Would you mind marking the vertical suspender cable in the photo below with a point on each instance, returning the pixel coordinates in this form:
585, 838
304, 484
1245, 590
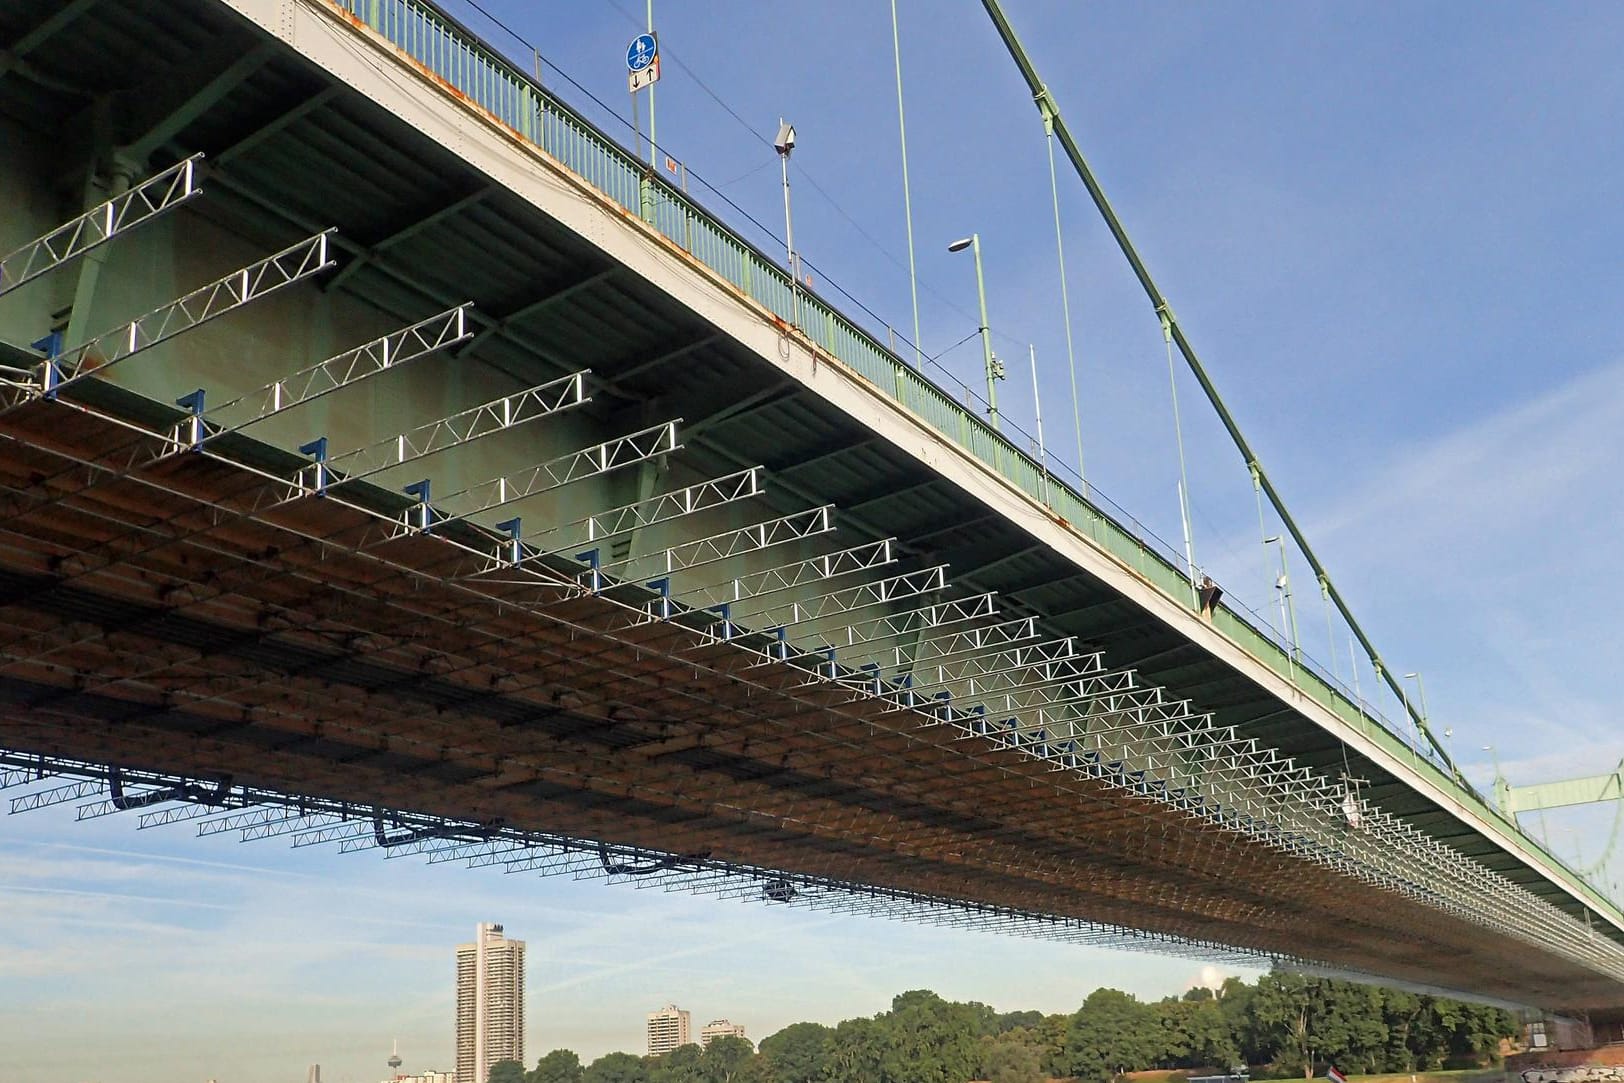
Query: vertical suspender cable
1184, 477
1017, 52
1065, 298
1330, 633
907, 197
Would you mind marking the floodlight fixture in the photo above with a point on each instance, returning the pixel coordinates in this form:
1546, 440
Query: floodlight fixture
785, 141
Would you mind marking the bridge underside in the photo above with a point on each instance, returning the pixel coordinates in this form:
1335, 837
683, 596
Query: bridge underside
213, 612
251, 650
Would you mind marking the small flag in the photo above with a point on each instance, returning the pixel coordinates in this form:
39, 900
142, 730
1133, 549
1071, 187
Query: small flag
670, 164
1335, 1076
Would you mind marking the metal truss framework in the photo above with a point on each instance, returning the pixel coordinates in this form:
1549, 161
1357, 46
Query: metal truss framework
144, 202
241, 287
949, 674
217, 806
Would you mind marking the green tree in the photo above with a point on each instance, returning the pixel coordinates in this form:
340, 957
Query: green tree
1007, 1058
857, 1052
507, 1071
799, 1053
1009, 1021
1051, 1036
559, 1066
616, 1068
1195, 1033
1111, 1033
1280, 1018
725, 1059
926, 1039
682, 1065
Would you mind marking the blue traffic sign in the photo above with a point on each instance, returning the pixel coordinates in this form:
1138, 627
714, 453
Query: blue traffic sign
641, 52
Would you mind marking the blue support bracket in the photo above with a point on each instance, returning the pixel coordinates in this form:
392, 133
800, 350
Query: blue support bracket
780, 645
944, 712
51, 347
514, 529
834, 667
725, 611
904, 681
661, 585
317, 449
193, 404
425, 514
873, 670
592, 558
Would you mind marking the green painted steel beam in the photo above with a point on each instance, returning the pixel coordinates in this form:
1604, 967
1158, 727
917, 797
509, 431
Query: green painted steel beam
176, 119
14, 54
1590, 790
409, 225
1050, 112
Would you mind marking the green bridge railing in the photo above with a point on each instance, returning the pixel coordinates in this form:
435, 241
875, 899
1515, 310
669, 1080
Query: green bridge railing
453, 53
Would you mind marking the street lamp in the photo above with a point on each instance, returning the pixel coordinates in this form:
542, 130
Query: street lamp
1421, 692
995, 367
784, 143
1415, 724
1288, 607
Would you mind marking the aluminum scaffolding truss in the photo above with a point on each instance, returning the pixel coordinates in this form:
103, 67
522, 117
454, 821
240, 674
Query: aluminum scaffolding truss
775, 650
306, 821
553, 474
602, 526
207, 424
138, 205
241, 287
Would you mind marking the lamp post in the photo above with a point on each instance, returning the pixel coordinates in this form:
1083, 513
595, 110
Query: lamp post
1421, 692
784, 144
994, 367
1288, 607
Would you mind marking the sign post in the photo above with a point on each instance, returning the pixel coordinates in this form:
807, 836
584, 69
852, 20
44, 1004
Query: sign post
643, 71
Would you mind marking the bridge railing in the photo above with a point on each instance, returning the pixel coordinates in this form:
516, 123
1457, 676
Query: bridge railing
455, 55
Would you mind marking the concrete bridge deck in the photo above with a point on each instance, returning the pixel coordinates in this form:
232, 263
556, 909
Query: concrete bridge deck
703, 570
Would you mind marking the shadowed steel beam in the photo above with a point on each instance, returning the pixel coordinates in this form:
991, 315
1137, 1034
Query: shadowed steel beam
272, 127
49, 28
172, 124
503, 323
142, 203
413, 225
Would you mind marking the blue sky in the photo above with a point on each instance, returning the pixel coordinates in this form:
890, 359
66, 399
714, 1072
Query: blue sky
1391, 231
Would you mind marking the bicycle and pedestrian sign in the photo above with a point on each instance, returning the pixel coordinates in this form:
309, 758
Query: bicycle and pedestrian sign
642, 62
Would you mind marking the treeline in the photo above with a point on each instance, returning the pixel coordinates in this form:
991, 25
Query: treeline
1284, 1025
